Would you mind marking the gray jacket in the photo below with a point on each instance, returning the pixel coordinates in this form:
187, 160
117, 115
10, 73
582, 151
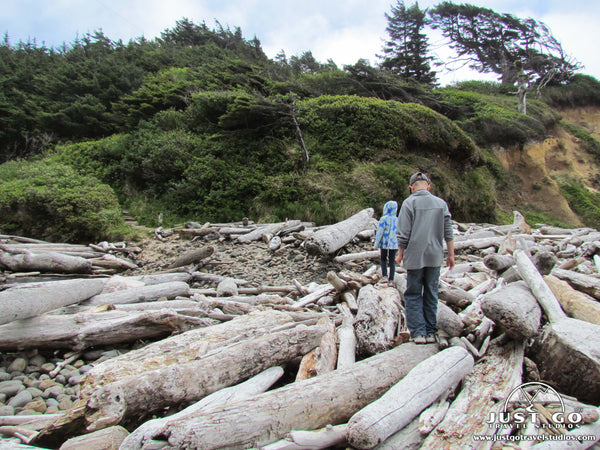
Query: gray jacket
424, 223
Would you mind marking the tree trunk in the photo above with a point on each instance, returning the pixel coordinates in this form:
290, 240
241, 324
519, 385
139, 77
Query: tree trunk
142, 294
45, 262
80, 331
307, 405
151, 429
575, 303
30, 301
490, 383
422, 386
515, 309
330, 239
377, 320
135, 396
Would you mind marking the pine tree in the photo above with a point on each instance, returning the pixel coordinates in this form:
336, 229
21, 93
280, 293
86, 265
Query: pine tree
407, 47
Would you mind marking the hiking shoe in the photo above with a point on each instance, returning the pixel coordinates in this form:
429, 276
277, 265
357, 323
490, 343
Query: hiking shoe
430, 339
420, 340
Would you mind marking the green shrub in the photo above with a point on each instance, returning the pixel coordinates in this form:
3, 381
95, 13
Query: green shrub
584, 202
582, 90
51, 201
589, 143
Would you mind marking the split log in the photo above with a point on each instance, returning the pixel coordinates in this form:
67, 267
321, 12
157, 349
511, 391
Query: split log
498, 262
30, 301
52, 262
585, 283
324, 438
339, 284
515, 309
567, 349
142, 294
332, 238
134, 396
350, 299
183, 348
84, 330
192, 257
307, 405
454, 295
483, 390
404, 401
321, 359
347, 339
152, 429
575, 303
377, 319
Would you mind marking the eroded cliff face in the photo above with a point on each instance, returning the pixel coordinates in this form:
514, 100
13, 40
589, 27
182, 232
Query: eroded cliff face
559, 154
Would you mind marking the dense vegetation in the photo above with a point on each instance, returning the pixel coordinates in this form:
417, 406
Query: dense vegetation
201, 125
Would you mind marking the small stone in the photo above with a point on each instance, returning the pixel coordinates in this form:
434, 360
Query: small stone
46, 383
4, 376
18, 365
60, 379
52, 402
21, 399
37, 405
52, 409
53, 391
11, 387
7, 410
35, 392
77, 364
27, 412
85, 369
37, 361
65, 404
47, 367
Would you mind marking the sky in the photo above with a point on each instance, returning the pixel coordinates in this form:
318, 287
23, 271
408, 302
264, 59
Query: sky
341, 30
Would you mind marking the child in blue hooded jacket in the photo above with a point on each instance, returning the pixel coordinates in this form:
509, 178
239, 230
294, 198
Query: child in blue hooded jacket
387, 241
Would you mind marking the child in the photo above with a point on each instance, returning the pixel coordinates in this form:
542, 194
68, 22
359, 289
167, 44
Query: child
386, 240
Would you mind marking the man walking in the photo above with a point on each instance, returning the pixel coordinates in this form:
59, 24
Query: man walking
424, 223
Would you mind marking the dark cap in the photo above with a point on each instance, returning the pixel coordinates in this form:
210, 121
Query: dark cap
419, 176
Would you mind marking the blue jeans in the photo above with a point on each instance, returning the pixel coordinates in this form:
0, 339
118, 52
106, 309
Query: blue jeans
388, 258
421, 299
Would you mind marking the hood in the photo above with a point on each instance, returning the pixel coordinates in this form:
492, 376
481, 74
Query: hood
390, 208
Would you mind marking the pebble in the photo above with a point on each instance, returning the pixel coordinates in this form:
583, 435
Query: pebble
11, 387
37, 405
21, 399
7, 410
18, 365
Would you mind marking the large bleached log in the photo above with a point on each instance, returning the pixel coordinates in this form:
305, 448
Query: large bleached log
347, 339
45, 262
484, 389
448, 320
152, 429
323, 358
193, 256
306, 405
84, 330
567, 349
422, 386
30, 301
454, 295
498, 262
108, 438
183, 348
575, 303
376, 322
585, 283
142, 294
131, 397
330, 239
515, 309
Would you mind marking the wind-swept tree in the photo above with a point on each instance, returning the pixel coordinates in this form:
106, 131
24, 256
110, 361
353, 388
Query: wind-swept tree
405, 52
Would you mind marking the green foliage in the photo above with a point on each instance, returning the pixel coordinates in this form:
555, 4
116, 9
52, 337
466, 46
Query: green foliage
47, 200
583, 201
582, 90
588, 142
492, 119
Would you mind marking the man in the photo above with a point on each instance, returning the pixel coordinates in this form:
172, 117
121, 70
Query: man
424, 223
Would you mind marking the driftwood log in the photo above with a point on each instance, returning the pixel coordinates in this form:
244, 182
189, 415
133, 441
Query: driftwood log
330, 239
576, 304
193, 256
585, 283
53, 262
376, 322
142, 294
404, 401
34, 300
307, 405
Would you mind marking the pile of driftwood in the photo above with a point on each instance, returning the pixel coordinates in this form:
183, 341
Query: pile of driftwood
314, 366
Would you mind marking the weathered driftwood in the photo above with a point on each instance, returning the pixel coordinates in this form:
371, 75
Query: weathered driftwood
108, 438
371, 254
408, 438
327, 437
193, 256
323, 358
322, 291
33, 300
585, 283
454, 295
567, 349
260, 230
45, 262
498, 262
84, 330
515, 309
307, 405
339, 284
592, 429
377, 319
183, 348
483, 390
346, 338
575, 303
330, 239
142, 294
151, 391
448, 320
152, 429
404, 401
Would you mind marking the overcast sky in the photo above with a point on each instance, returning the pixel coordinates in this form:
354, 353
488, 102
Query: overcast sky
341, 30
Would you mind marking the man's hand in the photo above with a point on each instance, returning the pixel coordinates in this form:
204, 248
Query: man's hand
450, 262
400, 255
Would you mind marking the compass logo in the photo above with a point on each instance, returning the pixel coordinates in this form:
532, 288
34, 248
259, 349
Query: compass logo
536, 404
